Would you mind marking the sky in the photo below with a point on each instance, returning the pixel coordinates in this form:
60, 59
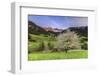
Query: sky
60, 22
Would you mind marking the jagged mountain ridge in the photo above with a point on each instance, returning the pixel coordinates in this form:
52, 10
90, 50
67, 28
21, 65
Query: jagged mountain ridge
35, 29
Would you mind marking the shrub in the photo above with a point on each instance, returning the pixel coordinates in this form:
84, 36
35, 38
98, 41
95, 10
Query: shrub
84, 46
50, 45
41, 46
84, 43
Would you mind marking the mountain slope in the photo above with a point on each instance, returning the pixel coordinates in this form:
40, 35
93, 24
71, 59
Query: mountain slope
81, 31
35, 29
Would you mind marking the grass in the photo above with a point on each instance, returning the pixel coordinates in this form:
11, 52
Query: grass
42, 37
58, 55
34, 43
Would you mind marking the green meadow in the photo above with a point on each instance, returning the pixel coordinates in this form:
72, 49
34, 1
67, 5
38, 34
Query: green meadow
38, 49
56, 55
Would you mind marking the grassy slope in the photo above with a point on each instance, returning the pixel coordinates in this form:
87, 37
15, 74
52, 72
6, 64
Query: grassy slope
41, 37
38, 39
58, 55
54, 55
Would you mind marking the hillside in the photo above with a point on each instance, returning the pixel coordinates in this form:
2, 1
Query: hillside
36, 29
81, 31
